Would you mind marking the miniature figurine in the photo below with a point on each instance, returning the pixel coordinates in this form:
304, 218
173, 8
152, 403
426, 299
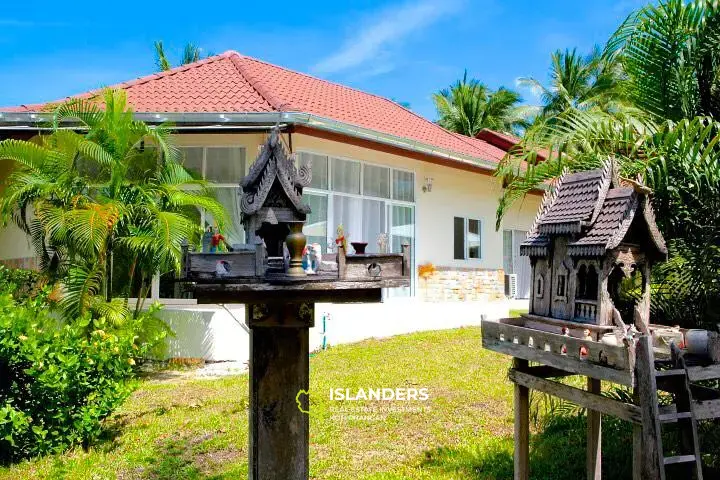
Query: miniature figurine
382, 242
207, 239
341, 239
215, 241
311, 258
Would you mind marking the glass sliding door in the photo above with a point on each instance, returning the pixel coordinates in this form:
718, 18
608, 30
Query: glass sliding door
316, 224
374, 223
402, 230
347, 211
367, 200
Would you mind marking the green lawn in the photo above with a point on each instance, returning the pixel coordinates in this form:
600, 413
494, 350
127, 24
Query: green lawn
197, 429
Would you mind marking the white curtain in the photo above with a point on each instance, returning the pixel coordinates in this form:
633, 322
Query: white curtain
345, 176
373, 223
376, 181
225, 164
316, 225
347, 211
233, 230
403, 186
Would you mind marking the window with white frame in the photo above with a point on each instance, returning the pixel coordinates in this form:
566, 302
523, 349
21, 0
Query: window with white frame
366, 199
467, 238
225, 168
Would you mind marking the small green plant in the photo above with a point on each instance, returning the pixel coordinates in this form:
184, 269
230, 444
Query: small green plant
59, 380
21, 284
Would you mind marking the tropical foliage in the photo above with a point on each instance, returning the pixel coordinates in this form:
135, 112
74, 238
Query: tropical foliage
578, 82
114, 191
191, 53
58, 381
469, 106
666, 137
100, 189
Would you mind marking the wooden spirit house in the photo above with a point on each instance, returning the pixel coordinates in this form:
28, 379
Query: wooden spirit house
591, 248
593, 234
273, 216
279, 297
272, 205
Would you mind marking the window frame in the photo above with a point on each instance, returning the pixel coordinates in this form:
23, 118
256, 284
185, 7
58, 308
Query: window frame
362, 163
155, 282
204, 161
389, 202
466, 234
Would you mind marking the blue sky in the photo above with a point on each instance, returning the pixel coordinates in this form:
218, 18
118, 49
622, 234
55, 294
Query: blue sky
397, 49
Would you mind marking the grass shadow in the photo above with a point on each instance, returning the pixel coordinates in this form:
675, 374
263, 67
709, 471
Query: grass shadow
556, 453
187, 459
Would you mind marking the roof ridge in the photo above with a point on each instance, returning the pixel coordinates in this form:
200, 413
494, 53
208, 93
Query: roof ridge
269, 97
278, 103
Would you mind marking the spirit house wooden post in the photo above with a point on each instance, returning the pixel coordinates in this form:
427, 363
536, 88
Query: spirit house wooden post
267, 275
279, 362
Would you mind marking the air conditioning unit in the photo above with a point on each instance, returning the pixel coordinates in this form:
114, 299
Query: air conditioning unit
511, 288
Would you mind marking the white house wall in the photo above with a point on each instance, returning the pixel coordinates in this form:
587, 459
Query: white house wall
217, 333
455, 193
15, 248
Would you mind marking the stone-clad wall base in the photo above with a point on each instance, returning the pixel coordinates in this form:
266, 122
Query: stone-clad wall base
462, 284
29, 263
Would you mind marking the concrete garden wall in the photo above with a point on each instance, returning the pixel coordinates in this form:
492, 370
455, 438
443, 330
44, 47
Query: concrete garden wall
216, 333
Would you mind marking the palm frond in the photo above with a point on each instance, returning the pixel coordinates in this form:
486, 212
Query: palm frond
82, 284
161, 60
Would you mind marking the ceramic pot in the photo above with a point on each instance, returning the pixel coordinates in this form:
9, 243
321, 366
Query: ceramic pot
359, 247
295, 242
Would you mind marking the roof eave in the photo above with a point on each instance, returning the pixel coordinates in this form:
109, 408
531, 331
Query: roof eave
185, 120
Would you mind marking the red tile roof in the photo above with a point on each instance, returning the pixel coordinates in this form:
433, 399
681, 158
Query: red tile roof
231, 82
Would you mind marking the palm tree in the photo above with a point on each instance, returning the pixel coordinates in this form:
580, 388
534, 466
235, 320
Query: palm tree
115, 190
578, 82
191, 53
668, 138
469, 106
670, 53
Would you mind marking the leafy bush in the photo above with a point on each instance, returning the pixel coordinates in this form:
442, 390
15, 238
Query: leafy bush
59, 380
21, 284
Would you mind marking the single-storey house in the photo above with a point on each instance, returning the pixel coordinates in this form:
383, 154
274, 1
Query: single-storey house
377, 168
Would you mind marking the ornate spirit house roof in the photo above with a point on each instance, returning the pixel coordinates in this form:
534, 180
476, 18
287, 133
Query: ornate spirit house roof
275, 183
596, 212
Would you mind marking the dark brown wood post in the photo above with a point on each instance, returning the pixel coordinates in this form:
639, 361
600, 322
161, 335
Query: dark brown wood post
647, 453
279, 377
522, 425
594, 435
405, 247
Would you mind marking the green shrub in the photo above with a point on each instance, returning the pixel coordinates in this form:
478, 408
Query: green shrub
21, 284
59, 380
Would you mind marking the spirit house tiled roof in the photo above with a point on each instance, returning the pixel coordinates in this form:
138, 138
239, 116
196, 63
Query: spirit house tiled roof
594, 211
576, 202
234, 83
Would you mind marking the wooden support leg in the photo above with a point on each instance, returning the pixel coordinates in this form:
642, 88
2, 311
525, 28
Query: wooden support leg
647, 446
522, 426
594, 435
279, 369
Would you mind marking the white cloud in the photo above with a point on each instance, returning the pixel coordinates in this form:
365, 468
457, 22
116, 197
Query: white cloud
11, 22
535, 90
386, 29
